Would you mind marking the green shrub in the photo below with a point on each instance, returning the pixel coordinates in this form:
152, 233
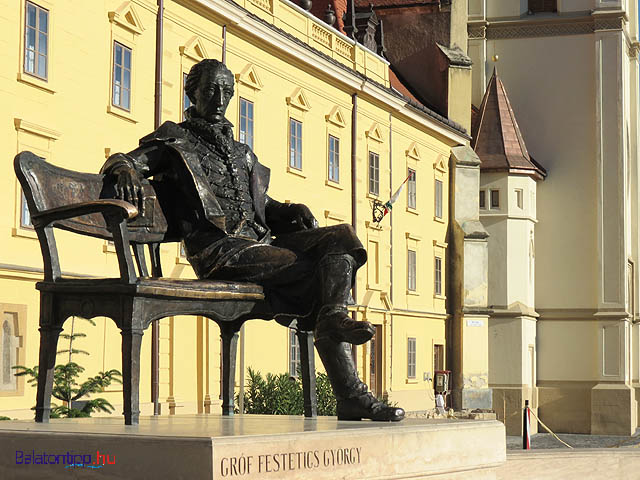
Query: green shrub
282, 394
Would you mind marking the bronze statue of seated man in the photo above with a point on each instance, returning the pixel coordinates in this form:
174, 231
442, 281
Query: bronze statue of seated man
232, 230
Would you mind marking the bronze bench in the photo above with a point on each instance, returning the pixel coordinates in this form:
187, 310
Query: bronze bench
83, 203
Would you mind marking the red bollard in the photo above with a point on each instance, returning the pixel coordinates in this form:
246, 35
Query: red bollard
526, 432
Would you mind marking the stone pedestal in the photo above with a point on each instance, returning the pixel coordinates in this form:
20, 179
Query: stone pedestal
248, 447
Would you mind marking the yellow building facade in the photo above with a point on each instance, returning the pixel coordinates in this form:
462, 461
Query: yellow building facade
78, 85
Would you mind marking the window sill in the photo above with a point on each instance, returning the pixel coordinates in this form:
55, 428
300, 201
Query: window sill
413, 211
411, 381
440, 297
438, 219
413, 293
374, 286
24, 233
36, 82
296, 171
373, 196
120, 113
332, 184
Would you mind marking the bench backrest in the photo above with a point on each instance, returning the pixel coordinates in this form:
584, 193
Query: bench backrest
47, 186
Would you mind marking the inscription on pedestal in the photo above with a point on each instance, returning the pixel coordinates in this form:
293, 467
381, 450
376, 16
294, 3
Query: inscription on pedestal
279, 462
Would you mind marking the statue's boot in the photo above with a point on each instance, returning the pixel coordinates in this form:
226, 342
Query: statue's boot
354, 402
335, 274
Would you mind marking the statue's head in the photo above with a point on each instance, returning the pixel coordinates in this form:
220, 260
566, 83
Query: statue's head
209, 86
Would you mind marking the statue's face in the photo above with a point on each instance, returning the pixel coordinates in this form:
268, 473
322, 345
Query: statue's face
213, 94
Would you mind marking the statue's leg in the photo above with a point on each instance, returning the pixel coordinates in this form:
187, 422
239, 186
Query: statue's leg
354, 402
335, 275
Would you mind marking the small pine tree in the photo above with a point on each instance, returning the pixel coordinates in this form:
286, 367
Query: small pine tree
65, 381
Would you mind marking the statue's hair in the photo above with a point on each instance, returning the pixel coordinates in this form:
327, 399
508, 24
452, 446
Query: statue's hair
196, 72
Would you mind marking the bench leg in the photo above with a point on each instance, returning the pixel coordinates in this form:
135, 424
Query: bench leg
229, 335
307, 365
48, 348
131, 341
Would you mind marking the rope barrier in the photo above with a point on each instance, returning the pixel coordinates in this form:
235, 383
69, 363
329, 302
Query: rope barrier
549, 430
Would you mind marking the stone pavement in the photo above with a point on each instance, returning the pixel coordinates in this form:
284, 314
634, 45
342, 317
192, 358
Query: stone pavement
543, 441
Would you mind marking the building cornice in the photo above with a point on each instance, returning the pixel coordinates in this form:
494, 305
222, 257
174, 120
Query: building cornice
533, 26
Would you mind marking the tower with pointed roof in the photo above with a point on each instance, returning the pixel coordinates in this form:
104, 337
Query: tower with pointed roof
572, 70
508, 180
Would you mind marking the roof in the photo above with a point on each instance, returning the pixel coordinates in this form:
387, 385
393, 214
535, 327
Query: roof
498, 140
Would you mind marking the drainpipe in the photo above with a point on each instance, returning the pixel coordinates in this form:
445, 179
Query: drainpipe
157, 120
224, 44
390, 251
354, 206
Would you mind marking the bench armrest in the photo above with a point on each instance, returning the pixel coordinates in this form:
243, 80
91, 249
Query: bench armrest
117, 208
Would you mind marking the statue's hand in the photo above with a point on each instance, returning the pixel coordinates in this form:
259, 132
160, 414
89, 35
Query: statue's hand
129, 188
302, 217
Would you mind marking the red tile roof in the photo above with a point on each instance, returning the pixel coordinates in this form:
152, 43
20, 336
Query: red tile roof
497, 139
401, 87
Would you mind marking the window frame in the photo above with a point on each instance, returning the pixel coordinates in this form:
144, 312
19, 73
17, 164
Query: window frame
412, 357
250, 121
293, 346
292, 151
186, 101
438, 199
333, 159
482, 199
412, 189
37, 54
412, 270
113, 76
373, 180
495, 191
437, 276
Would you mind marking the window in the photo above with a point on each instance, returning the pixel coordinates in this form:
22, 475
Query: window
186, 101
411, 270
438, 357
374, 173
25, 215
519, 197
246, 123
483, 200
411, 189
121, 76
438, 190
294, 354
437, 286
334, 159
536, 6
36, 40
411, 357
295, 144
494, 198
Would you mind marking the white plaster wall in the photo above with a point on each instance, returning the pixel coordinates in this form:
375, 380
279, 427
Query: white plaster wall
467, 183
475, 273
567, 350
551, 85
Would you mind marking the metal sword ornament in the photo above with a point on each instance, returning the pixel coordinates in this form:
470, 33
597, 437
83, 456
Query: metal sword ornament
380, 209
